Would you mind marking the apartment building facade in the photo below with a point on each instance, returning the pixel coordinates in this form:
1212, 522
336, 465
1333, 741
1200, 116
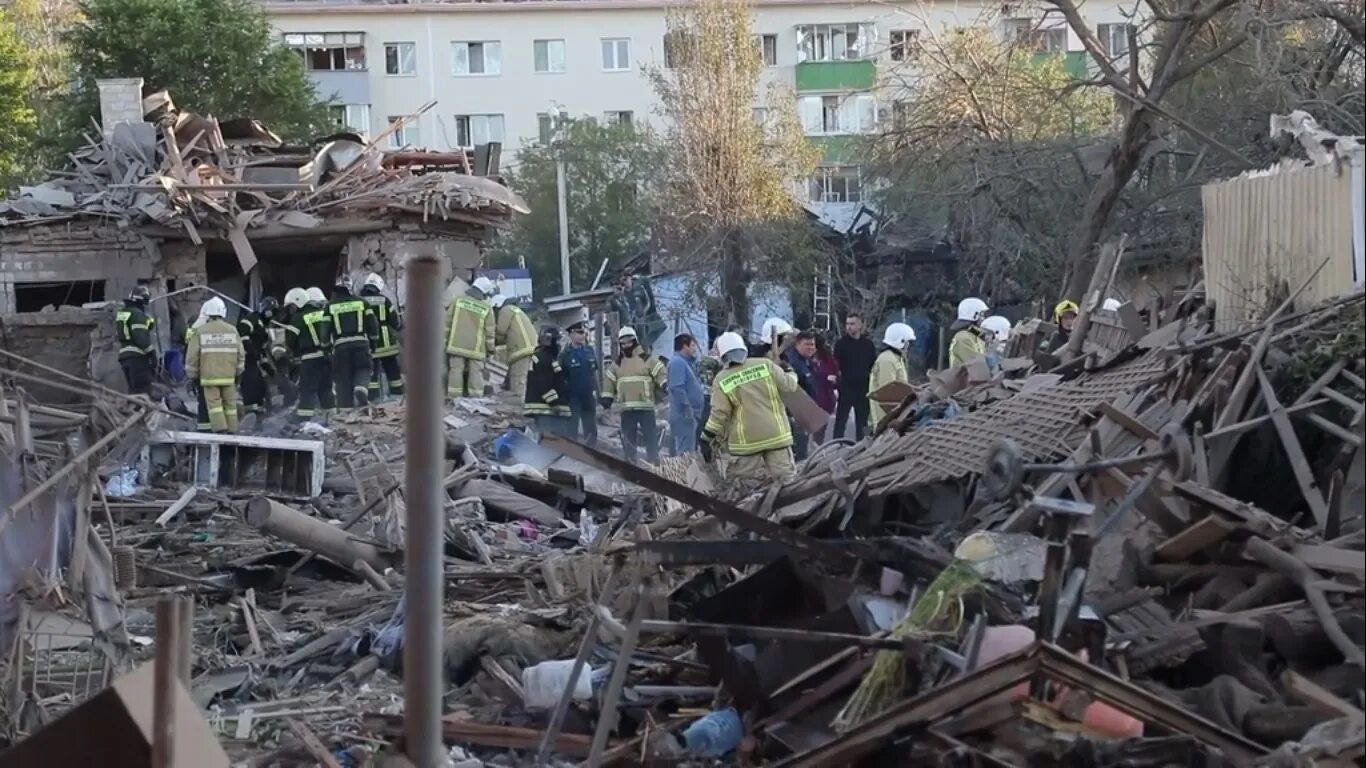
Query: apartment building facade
500, 70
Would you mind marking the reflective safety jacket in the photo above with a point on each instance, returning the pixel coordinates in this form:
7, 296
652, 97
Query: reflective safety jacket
216, 356
255, 334
967, 345
747, 407
469, 328
889, 366
515, 331
384, 342
632, 381
310, 333
547, 384
352, 321
133, 329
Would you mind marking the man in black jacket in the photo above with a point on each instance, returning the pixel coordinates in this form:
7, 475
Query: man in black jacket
137, 351
855, 354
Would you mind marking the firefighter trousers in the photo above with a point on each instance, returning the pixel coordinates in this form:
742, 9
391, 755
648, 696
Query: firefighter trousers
518, 370
315, 387
464, 377
202, 422
221, 404
386, 368
351, 372
639, 430
137, 374
255, 391
768, 466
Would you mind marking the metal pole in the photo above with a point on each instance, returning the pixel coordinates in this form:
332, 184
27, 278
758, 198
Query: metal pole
562, 198
425, 577
164, 684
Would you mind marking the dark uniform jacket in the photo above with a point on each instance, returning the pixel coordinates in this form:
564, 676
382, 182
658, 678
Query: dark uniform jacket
310, 333
133, 328
352, 320
387, 323
255, 333
547, 384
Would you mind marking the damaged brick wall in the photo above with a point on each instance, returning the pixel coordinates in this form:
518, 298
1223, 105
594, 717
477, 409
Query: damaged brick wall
75, 341
386, 253
73, 251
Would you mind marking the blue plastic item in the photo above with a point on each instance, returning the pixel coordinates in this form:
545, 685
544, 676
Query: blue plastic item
173, 363
716, 735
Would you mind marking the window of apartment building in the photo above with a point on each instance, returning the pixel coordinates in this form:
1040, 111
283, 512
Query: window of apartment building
547, 123
548, 55
1114, 38
35, 297
768, 49
477, 58
835, 42
351, 117
675, 48
616, 54
835, 115
904, 44
1029, 33
901, 113
329, 51
760, 115
618, 117
473, 130
405, 136
400, 59
836, 184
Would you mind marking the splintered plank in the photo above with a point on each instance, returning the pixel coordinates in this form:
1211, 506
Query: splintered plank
1199, 536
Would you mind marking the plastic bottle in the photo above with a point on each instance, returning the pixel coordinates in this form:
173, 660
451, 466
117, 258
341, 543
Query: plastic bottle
545, 683
716, 735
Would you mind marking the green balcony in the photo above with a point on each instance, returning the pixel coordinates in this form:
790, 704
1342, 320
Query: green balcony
837, 150
858, 75
1075, 63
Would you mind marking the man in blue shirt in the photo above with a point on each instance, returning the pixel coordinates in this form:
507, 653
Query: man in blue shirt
580, 364
686, 401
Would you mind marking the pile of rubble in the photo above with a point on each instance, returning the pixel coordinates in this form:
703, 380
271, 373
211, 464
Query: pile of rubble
1152, 555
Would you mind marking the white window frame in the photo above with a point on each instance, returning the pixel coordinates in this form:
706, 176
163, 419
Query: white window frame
838, 115
355, 117
1032, 34
766, 45
485, 48
470, 126
830, 42
399, 59
831, 183
303, 42
1107, 34
621, 53
613, 117
547, 123
549, 44
403, 137
903, 44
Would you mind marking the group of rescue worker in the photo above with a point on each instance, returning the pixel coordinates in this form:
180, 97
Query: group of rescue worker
322, 353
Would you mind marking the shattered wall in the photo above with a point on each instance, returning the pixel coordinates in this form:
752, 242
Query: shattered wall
73, 251
386, 253
75, 341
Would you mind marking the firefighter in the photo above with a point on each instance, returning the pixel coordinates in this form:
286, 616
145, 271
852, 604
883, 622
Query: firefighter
384, 344
967, 343
310, 346
889, 366
747, 413
547, 386
253, 327
133, 329
996, 333
216, 358
202, 422
286, 368
469, 338
353, 326
514, 333
633, 382
772, 336
1064, 316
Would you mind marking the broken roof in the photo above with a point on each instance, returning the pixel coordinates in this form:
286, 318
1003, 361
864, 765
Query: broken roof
195, 172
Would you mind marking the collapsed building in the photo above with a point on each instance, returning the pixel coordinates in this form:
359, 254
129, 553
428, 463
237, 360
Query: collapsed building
173, 200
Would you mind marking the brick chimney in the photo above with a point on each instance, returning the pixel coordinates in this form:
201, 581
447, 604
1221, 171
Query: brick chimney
120, 102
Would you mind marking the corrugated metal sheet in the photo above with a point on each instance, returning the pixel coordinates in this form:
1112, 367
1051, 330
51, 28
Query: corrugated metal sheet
1274, 230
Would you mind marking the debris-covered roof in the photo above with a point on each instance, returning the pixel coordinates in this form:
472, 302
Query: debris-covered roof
212, 177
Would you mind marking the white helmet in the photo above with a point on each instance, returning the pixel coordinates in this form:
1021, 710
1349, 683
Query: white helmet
484, 285
498, 301
296, 297
898, 335
1110, 305
626, 332
373, 280
773, 328
972, 309
730, 345
214, 308
316, 296
999, 327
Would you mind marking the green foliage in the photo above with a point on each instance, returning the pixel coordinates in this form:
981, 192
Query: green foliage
606, 170
216, 57
18, 121
39, 25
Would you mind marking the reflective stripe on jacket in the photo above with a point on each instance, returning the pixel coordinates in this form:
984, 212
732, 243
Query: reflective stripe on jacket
967, 345
384, 342
469, 329
747, 407
351, 320
632, 382
887, 368
133, 329
216, 356
310, 333
515, 331
547, 386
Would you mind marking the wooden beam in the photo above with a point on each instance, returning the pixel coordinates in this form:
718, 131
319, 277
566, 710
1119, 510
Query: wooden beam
1205, 533
1298, 463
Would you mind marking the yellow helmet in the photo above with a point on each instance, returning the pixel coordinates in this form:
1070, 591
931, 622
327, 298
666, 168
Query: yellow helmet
1063, 307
